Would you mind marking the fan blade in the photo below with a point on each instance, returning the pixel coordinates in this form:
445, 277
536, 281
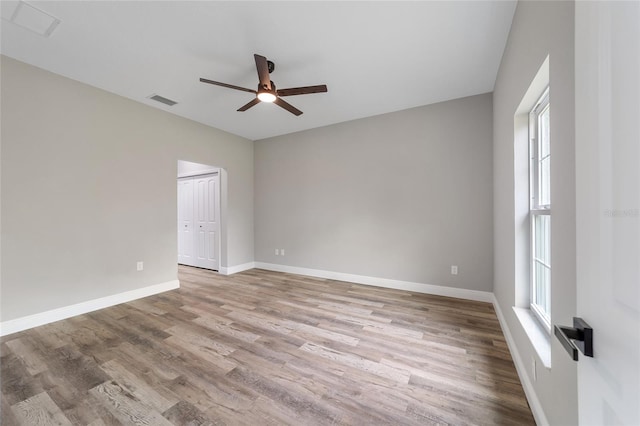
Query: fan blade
255, 101
230, 86
263, 71
287, 106
302, 90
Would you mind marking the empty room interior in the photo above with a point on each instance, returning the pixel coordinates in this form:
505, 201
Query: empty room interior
319, 213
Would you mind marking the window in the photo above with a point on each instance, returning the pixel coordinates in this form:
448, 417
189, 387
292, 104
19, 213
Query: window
540, 209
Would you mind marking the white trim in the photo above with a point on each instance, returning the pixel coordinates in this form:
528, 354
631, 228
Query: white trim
529, 390
211, 171
230, 270
35, 320
537, 334
460, 293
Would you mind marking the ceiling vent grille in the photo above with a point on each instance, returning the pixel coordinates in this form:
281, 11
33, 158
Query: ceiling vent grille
162, 100
34, 19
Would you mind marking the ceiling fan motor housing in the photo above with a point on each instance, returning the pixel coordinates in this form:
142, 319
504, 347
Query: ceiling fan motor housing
265, 88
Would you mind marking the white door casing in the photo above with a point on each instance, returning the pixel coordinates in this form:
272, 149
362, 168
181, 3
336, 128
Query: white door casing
608, 208
199, 221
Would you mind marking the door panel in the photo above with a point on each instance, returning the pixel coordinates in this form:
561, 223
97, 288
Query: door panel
608, 208
213, 224
185, 221
199, 208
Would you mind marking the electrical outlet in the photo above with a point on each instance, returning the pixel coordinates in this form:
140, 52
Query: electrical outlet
277, 252
282, 252
454, 269
533, 369
140, 266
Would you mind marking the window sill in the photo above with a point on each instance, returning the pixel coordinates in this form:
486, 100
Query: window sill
540, 339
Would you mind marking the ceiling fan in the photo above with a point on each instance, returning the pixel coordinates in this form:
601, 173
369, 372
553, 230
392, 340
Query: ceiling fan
267, 91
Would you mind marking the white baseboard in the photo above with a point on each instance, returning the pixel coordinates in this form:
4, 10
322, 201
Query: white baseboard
230, 270
460, 293
35, 320
532, 397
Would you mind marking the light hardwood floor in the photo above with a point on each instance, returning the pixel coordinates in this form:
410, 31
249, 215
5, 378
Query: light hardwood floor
266, 348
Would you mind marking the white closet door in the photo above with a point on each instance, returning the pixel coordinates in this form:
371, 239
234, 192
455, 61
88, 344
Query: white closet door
207, 224
199, 221
186, 241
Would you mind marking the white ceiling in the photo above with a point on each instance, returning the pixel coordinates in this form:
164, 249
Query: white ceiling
375, 57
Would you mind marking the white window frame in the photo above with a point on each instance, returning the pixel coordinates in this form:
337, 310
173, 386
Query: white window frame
538, 209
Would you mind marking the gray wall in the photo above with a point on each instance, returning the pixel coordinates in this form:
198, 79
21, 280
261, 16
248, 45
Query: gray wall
89, 188
539, 29
400, 196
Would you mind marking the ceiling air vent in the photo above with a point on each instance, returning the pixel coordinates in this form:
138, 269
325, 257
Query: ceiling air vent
162, 100
34, 19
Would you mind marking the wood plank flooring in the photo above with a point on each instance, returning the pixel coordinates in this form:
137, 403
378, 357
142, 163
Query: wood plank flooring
266, 348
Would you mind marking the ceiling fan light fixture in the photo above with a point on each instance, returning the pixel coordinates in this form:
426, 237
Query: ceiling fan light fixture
266, 96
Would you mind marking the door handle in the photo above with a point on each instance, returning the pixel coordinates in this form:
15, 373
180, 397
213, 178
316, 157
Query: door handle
580, 336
